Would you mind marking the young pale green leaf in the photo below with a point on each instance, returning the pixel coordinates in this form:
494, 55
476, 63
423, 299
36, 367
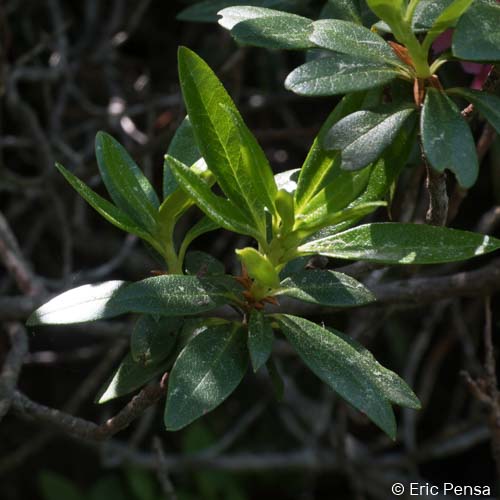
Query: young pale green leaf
183, 148
338, 75
394, 388
153, 338
487, 104
126, 184
260, 339
477, 37
322, 167
106, 209
206, 372
326, 288
206, 11
203, 264
363, 136
167, 295
267, 28
447, 139
129, 377
341, 367
259, 267
390, 11
447, 19
231, 152
394, 243
352, 39
84, 303
223, 212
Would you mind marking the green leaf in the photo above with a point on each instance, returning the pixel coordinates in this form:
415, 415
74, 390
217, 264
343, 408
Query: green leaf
390, 11
55, 487
447, 139
126, 184
230, 150
426, 13
394, 243
259, 267
364, 135
167, 295
341, 367
201, 263
326, 288
129, 377
394, 388
223, 212
153, 338
267, 28
276, 379
477, 37
183, 148
447, 19
260, 339
206, 372
487, 104
206, 11
352, 39
204, 225
338, 75
348, 10
142, 483
107, 488
106, 209
321, 167
287, 180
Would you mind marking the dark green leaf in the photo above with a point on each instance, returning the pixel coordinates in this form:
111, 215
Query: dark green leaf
338, 75
260, 339
183, 148
395, 389
125, 182
142, 483
55, 487
223, 212
487, 104
348, 10
267, 28
394, 243
352, 39
167, 295
447, 139
107, 488
363, 136
102, 206
477, 37
326, 288
340, 366
206, 372
153, 338
203, 264
129, 377
426, 13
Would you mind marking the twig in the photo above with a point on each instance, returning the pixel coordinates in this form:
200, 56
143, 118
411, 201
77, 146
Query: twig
162, 470
437, 213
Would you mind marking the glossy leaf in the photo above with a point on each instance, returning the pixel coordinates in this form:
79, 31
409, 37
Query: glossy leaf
487, 104
326, 288
447, 139
477, 37
338, 75
153, 338
183, 148
352, 39
230, 150
203, 264
126, 184
426, 13
267, 28
394, 243
106, 209
347, 10
363, 136
390, 11
260, 339
223, 212
446, 19
167, 295
129, 377
287, 180
206, 372
341, 367
394, 388
206, 11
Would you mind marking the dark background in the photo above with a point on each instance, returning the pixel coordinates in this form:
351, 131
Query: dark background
69, 69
